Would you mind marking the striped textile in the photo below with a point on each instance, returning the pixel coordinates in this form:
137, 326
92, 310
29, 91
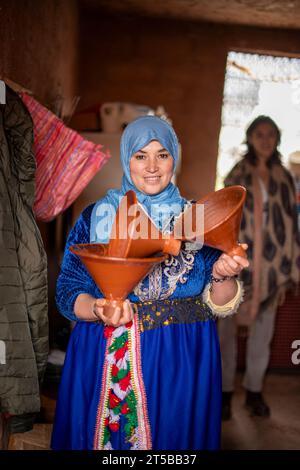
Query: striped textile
66, 162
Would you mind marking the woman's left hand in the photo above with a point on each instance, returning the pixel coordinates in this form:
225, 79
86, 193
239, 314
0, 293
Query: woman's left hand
230, 265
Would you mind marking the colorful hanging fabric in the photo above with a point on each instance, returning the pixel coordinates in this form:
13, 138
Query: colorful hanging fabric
123, 391
66, 162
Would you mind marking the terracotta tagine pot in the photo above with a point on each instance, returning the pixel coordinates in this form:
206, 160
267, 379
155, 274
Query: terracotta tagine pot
134, 235
115, 277
222, 218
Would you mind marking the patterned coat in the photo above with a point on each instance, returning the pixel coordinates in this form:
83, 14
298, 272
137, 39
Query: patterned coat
280, 258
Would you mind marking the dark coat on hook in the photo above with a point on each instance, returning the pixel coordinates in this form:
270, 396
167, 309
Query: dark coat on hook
23, 271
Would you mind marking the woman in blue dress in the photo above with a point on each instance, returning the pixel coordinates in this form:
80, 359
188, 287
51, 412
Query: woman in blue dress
150, 377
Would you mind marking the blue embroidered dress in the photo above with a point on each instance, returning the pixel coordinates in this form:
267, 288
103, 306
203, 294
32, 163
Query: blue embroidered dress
178, 353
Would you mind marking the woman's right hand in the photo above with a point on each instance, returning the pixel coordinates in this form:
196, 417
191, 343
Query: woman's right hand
118, 317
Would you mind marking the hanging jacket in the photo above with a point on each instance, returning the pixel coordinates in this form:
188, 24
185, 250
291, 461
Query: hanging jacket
23, 268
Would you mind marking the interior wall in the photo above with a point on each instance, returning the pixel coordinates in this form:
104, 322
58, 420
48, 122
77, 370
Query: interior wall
39, 47
39, 51
180, 65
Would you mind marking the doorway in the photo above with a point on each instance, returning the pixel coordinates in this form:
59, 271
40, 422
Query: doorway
258, 84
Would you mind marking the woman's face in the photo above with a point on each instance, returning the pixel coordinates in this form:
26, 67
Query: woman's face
264, 140
151, 168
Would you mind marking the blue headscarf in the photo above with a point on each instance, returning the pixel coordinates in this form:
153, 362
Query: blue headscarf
135, 137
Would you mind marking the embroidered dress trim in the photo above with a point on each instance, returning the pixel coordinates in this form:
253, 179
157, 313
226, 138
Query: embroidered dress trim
101, 412
160, 313
174, 268
122, 391
144, 431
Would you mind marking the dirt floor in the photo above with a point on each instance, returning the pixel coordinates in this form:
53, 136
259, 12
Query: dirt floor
242, 432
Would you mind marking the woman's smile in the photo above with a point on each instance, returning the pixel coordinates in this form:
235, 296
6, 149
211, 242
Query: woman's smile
152, 179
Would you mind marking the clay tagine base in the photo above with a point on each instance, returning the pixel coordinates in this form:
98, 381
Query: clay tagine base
115, 277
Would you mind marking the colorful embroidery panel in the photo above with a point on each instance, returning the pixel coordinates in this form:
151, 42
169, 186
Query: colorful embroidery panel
123, 391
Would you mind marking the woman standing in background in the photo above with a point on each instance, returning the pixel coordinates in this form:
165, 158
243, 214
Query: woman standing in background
269, 227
